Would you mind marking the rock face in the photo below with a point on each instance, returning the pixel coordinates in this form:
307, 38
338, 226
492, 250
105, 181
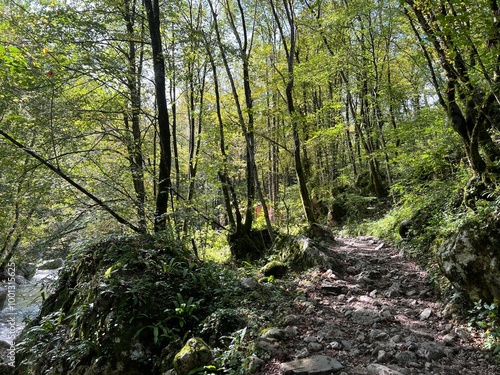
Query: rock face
194, 354
471, 260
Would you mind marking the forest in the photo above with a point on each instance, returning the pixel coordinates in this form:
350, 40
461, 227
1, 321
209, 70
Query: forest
226, 127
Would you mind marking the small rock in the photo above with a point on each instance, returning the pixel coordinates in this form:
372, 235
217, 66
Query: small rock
365, 316
194, 354
377, 369
249, 283
303, 353
360, 337
383, 356
378, 335
291, 331
347, 344
426, 314
433, 354
393, 291
314, 347
406, 357
291, 320
319, 364
271, 347
449, 339
335, 345
310, 339
274, 334
5, 345
463, 334
396, 338
334, 289
274, 268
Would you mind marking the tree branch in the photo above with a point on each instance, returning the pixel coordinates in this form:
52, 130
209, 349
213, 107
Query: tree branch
69, 180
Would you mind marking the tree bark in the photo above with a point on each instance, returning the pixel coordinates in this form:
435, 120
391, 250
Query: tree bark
165, 167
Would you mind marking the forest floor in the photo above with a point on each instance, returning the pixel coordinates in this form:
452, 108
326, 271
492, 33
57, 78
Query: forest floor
380, 316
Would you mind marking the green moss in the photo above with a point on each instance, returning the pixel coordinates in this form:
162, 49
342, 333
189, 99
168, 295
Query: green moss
274, 268
194, 354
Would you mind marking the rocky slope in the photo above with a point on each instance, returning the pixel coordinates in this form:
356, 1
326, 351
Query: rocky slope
378, 316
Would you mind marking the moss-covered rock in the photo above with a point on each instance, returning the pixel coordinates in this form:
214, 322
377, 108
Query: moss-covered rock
302, 253
274, 268
194, 354
116, 305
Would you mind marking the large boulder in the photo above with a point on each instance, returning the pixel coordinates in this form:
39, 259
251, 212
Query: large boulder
470, 259
303, 253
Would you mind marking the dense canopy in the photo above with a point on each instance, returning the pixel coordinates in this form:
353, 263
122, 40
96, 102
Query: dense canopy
236, 116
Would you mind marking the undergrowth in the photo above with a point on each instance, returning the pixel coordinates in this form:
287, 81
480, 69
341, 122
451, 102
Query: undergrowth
133, 302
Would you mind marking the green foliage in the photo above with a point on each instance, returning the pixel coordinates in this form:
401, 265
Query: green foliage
237, 354
139, 295
487, 317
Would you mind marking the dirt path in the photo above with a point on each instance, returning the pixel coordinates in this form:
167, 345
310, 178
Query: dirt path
380, 317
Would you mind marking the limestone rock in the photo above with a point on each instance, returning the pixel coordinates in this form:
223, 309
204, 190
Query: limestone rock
470, 259
194, 354
319, 364
426, 314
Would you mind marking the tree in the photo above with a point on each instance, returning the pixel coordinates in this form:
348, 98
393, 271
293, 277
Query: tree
165, 167
291, 52
460, 43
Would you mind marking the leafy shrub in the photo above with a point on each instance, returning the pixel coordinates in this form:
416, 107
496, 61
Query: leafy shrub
487, 317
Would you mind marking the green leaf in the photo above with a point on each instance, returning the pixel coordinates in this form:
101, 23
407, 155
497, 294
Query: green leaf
108, 272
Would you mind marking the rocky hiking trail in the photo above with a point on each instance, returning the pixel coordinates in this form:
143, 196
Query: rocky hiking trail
379, 317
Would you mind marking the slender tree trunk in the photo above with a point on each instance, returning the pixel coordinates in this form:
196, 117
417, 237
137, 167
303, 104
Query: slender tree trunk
164, 179
290, 51
228, 192
252, 178
134, 143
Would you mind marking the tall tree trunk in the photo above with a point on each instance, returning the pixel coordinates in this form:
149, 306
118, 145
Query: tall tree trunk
134, 143
291, 51
165, 167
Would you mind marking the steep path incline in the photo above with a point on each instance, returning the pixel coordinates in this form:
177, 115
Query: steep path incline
381, 317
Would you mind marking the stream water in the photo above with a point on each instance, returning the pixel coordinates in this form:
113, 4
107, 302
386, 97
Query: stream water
28, 298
